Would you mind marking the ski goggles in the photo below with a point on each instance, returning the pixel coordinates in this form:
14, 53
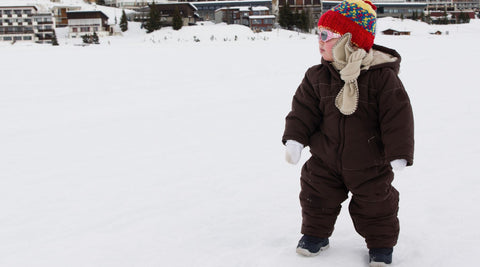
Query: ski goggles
326, 35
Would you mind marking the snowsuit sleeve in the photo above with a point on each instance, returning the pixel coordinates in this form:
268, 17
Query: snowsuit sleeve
305, 116
396, 119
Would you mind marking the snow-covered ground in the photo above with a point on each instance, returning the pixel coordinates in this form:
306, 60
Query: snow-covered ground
156, 150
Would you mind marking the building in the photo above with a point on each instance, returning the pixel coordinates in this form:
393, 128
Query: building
129, 4
466, 4
187, 11
261, 22
395, 32
405, 9
60, 14
24, 23
88, 22
206, 9
43, 27
258, 18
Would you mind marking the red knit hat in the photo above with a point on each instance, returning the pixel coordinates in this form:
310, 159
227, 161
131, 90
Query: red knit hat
357, 17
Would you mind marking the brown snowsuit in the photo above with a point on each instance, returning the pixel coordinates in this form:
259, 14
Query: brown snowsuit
352, 152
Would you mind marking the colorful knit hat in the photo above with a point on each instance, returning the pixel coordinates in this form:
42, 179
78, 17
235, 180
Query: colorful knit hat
357, 17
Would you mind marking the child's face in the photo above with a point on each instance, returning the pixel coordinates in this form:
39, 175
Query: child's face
326, 43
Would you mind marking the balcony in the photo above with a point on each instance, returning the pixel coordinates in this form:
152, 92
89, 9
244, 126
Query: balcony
16, 32
44, 22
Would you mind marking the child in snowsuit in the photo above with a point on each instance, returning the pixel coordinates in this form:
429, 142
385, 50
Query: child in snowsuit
355, 115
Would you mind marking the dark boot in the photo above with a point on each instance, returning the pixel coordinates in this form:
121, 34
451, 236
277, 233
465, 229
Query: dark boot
380, 257
311, 246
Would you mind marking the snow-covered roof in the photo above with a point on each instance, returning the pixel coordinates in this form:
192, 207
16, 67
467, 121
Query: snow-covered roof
245, 8
262, 17
230, 2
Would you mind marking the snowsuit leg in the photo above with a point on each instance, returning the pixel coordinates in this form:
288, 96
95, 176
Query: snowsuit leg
374, 205
322, 192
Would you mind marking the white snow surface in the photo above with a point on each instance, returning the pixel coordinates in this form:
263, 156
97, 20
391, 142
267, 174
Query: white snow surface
155, 150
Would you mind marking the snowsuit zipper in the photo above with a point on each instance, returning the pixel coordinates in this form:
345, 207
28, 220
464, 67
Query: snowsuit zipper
341, 130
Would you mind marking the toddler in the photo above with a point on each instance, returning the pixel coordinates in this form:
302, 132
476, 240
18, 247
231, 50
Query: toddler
355, 115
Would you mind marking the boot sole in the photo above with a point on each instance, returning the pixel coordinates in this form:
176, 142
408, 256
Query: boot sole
378, 264
306, 253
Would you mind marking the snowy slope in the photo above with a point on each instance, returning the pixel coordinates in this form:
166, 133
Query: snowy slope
155, 150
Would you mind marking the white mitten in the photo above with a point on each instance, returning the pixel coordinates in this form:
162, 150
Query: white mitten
398, 164
293, 152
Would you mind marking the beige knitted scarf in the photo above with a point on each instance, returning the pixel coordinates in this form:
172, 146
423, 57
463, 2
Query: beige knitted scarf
350, 61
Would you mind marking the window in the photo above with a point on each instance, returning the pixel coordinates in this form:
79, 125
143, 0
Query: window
7, 38
18, 12
27, 38
84, 29
95, 29
17, 38
74, 29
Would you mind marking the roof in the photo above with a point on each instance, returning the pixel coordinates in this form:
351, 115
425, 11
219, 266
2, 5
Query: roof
80, 14
146, 8
230, 2
245, 8
262, 17
18, 7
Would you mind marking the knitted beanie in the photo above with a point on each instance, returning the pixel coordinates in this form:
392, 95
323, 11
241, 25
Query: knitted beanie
357, 17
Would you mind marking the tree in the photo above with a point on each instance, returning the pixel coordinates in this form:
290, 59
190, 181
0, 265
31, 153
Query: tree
304, 20
86, 39
463, 18
285, 16
54, 39
91, 39
153, 22
414, 15
95, 39
428, 19
123, 22
177, 22
444, 19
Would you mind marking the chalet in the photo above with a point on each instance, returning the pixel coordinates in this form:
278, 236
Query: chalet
395, 32
206, 9
166, 11
129, 4
24, 23
87, 22
261, 22
258, 18
60, 14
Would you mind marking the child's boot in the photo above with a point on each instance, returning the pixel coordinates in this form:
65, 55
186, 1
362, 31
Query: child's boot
311, 246
380, 257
